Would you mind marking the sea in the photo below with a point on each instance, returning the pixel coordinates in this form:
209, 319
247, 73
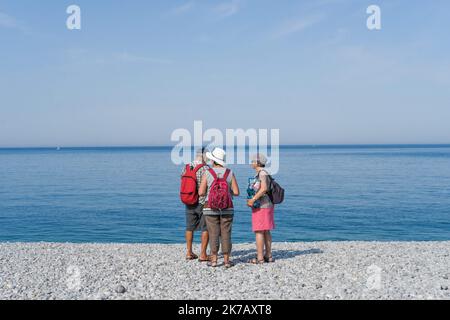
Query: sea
131, 195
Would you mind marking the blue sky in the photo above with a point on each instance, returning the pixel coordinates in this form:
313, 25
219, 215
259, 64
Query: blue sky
140, 69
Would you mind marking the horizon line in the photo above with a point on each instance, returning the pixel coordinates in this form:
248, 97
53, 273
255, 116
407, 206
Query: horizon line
236, 146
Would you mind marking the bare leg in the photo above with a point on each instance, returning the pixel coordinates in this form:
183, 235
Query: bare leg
260, 240
205, 240
189, 239
268, 244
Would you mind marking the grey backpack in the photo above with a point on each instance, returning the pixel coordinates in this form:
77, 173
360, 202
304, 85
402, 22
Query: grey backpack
276, 192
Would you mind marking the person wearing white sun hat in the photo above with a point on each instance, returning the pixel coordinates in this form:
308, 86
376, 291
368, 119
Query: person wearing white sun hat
218, 155
219, 185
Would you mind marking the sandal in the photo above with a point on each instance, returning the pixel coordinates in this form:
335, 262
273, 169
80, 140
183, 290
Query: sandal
192, 256
256, 261
229, 264
204, 260
269, 259
212, 264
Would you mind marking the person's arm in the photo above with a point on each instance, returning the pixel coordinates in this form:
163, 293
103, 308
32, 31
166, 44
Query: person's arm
203, 186
261, 192
234, 186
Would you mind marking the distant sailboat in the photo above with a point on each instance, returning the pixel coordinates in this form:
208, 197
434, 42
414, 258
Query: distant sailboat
58, 148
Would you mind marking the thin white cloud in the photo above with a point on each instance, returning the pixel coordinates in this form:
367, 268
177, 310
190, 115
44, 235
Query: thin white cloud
84, 56
183, 8
297, 25
7, 21
339, 36
203, 38
132, 58
320, 3
227, 9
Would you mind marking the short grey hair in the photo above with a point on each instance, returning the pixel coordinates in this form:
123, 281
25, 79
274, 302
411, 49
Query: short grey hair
260, 159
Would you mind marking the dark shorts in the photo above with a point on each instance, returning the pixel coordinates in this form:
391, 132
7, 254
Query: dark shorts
195, 219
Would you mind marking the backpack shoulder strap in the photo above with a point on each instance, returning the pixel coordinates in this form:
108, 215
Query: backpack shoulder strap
269, 175
213, 173
226, 174
198, 167
187, 168
271, 179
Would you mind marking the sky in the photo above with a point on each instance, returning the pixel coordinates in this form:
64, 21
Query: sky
138, 70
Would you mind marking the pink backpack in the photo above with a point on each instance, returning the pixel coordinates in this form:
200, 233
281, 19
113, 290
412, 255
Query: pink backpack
219, 194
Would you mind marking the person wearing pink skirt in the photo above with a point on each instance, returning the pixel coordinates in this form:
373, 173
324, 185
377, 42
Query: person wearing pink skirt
262, 210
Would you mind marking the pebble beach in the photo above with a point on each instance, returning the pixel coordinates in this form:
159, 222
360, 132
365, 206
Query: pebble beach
307, 270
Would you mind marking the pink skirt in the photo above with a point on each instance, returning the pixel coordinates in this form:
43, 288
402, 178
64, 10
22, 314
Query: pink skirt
263, 219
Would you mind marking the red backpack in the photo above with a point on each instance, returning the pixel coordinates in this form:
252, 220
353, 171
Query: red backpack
188, 190
219, 193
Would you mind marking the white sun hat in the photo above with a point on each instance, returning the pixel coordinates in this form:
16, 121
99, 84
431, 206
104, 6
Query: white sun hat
217, 155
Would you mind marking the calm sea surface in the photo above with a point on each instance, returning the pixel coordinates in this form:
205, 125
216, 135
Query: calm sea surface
131, 195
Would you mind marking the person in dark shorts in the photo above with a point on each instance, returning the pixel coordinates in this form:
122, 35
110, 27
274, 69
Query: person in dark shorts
195, 221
